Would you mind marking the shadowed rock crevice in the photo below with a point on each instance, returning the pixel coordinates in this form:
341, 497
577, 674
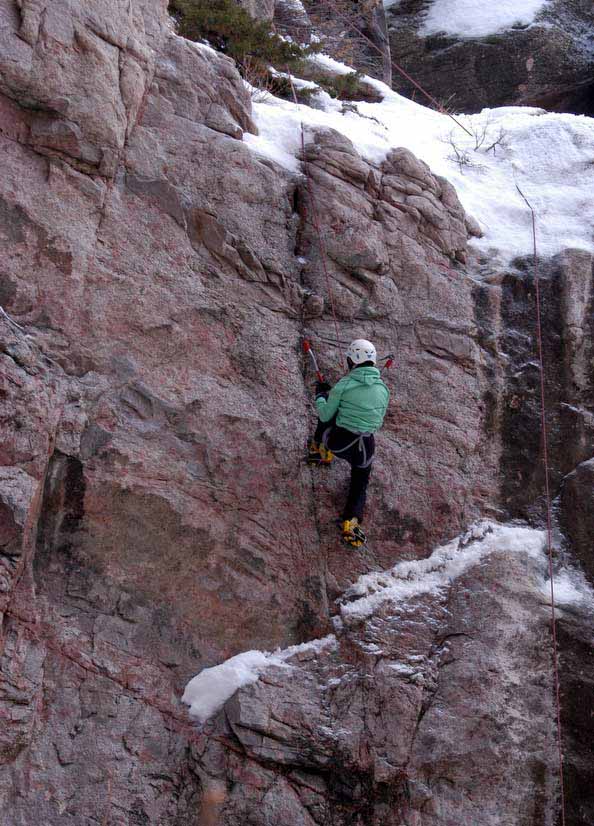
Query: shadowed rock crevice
577, 663
506, 316
575, 100
62, 509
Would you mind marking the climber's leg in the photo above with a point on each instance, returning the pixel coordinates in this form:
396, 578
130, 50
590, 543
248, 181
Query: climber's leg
355, 504
318, 453
360, 457
352, 532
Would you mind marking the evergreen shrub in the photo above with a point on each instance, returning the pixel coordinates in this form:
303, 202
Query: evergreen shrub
229, 28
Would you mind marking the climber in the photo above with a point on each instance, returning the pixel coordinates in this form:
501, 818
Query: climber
349, 414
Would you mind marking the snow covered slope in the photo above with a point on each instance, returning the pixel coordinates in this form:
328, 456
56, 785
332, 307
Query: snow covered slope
549, 156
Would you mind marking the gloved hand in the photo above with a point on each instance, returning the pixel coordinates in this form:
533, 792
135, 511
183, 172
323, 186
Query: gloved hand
322, 389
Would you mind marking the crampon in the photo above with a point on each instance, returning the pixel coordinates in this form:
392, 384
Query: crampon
319, 455
352, 533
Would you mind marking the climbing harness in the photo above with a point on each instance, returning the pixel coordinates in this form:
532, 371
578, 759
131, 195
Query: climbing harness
359, 440
545, 457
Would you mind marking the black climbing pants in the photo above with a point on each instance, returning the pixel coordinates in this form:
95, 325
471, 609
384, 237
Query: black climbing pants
357, 450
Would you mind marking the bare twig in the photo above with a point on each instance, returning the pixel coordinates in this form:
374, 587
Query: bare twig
258, 78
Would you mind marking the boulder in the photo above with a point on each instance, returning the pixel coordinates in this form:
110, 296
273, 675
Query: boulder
544, 64
407, 713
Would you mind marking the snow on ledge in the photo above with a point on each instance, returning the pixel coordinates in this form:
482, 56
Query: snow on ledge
479, 18
572, 590
198, 45
209, 690
332, 65
447, 563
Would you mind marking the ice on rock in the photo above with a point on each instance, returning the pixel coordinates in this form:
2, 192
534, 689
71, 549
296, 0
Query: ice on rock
211, 688
413, 578
208, 691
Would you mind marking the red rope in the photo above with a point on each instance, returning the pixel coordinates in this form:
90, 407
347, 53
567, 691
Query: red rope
545, 455
316, 218
396, 66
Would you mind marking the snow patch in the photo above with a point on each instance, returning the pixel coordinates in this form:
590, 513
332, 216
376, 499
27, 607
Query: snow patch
324, 61
198, 45
479, 18
208, 691
431, 576
402, 669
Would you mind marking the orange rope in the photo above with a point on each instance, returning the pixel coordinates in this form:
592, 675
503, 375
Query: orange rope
396, 66
545, 455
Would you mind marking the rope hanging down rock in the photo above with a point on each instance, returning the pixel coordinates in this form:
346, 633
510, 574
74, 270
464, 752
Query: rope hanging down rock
545, 458
315, 215
399, 69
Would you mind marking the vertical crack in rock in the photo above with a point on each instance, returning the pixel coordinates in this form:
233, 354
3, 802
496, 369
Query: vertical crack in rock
62, 510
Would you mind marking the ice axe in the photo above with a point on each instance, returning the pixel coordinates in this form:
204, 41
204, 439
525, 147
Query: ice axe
307, 349
388, 361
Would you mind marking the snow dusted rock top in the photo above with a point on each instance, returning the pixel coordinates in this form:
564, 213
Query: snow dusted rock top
209, 690
547, 155
386, 592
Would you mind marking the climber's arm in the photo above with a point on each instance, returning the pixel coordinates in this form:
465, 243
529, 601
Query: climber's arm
327, 408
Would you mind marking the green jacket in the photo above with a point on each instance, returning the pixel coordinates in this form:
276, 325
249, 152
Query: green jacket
360, 398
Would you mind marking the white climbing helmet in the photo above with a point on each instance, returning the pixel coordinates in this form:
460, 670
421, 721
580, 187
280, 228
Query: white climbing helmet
361, 351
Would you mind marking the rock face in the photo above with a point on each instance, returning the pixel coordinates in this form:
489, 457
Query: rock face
155, 513
377, 728
547, 64
290, 17
578, 501
260, 9
507, 318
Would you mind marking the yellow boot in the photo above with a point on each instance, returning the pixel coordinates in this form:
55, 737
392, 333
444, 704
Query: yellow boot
352, 533
319, 455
